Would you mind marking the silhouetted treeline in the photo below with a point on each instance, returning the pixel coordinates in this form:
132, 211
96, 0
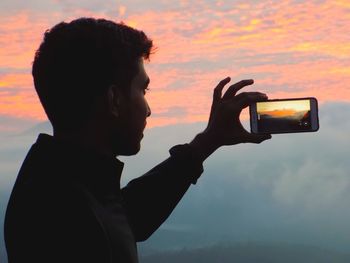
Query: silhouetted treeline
249, 253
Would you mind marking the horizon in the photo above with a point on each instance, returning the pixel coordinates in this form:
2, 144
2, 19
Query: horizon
292, 188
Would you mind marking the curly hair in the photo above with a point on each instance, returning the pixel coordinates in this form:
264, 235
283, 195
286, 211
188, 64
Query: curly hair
78, 61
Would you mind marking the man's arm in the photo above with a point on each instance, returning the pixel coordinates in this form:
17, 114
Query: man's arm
151, 198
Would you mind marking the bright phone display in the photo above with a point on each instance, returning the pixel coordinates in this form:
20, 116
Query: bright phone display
284, 116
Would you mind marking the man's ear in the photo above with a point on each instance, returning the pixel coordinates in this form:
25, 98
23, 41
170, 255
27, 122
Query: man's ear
113, 98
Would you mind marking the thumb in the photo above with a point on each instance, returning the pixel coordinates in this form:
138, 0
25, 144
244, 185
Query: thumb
258, 138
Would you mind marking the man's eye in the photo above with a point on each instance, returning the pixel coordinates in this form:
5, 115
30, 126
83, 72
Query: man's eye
145, 90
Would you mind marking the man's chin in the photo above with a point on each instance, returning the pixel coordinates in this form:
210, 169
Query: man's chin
130, 153
126, 144
129, 150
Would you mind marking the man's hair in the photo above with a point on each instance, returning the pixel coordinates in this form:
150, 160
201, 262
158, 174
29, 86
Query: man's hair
78, 61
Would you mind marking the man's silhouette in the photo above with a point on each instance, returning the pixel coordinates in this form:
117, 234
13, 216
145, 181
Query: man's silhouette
66, 204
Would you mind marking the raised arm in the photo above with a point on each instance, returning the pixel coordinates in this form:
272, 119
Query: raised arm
151, 198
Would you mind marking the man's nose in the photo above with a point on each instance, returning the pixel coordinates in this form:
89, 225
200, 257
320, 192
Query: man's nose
148, 110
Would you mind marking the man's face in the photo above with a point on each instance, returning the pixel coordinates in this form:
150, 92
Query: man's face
134, 110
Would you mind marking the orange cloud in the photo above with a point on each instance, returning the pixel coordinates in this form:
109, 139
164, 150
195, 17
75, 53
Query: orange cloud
291, 49
16, 80
23, 105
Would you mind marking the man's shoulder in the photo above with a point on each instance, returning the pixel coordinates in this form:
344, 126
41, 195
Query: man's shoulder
47, 195
55, 216
46, 171
53, 187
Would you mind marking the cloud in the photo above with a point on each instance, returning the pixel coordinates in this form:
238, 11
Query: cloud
174, 112
292, 188
9, 7
11, 125
291, 48
313, 185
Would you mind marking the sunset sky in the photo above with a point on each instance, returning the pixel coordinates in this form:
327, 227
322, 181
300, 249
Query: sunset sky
293, 188
282, 108
290, 48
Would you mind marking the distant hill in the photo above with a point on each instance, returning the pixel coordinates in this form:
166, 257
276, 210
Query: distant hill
249, 253
286, 114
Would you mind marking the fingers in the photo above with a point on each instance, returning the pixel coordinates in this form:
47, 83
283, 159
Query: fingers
218, 89
217, 95
244, 99
233, 89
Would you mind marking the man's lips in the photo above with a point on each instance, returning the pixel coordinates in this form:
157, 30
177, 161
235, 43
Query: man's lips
144, 127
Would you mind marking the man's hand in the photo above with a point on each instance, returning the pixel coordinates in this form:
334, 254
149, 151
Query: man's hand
224, 126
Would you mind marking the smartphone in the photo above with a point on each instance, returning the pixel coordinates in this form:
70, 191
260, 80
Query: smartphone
284, 116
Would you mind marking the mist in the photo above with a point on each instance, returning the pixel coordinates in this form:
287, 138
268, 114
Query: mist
292, 189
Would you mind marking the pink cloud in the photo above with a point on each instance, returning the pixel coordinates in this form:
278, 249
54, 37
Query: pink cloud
290, 49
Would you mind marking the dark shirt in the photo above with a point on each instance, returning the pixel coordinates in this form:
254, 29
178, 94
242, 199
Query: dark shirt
67, 204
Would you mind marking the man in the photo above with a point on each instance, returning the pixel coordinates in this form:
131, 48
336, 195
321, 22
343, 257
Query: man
67, 205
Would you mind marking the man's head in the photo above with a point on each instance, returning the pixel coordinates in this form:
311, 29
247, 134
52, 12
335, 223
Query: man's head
80, 62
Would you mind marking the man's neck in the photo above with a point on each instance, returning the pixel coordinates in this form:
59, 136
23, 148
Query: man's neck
88, 139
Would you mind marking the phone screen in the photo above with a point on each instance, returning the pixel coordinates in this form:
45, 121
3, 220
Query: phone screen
290, 115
